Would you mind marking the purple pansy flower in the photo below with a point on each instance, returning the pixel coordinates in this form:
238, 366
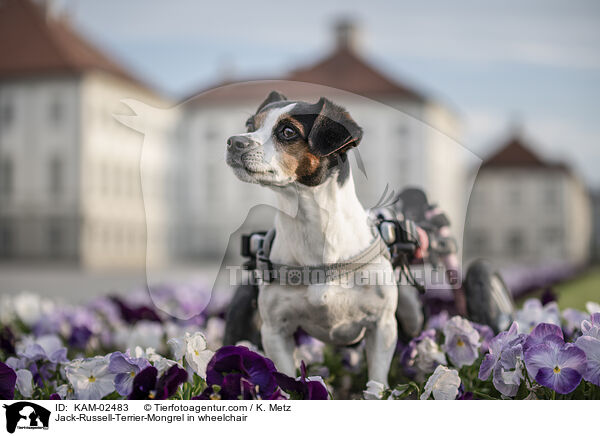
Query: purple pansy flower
422, 355
504, 361
7, 340
485, 333
461, 341
438, 321
539, 334
133, 314
548, 296
497, 344
592, 327
47, 347
126, 368
80, 335
239, 371
40, 356
303, 388
8, 380
148, 386
556, 365
508, 372
591, 348
235, 387
44, 371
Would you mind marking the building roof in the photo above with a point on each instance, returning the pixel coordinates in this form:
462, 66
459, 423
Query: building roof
516, 154
32, 42
343, 69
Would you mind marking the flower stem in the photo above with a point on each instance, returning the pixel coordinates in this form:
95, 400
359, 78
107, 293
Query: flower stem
484, 396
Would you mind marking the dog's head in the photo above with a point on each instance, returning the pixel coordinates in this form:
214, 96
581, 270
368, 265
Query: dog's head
293, 141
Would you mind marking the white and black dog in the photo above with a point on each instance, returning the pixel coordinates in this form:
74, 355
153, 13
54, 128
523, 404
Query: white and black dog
299, 149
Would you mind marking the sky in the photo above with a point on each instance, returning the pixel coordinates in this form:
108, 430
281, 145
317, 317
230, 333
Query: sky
535, 64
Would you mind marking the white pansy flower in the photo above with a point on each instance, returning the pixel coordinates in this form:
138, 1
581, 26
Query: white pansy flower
90, 378
197, 354
592, 307
429, 355
534, 313
159, 362
7, 312
30, 308
443, 384
374, 390
310, 352
194, 348
65, 392
177, 347
24, 383
145, 334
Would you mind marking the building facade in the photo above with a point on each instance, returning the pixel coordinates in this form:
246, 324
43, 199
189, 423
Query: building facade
409, 140
69, 172
528, 212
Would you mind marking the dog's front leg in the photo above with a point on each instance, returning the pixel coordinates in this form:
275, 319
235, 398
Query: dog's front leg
279, 348
380, 343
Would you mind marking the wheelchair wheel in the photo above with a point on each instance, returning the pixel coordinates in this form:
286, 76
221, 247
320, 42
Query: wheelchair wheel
489, 300
242, 321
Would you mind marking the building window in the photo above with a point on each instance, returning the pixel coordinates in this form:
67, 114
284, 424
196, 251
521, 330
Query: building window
55, 111
6, 176
55, 239
212, 193
6, 115
6, 240
514, 196
55, 170
551, 236
479, 242
516, 243
550, 198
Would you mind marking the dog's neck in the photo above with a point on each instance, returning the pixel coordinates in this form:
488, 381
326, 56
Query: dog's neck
330, 224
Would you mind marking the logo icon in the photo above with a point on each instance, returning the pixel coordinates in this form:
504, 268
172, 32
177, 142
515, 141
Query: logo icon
26, 415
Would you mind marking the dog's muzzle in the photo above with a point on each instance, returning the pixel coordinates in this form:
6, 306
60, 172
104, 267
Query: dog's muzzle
240, 144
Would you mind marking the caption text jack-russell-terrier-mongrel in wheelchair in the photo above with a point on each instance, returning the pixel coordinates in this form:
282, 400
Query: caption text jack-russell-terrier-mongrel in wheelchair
299, 150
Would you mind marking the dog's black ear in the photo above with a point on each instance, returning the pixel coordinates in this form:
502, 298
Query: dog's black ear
271, 98
333, 131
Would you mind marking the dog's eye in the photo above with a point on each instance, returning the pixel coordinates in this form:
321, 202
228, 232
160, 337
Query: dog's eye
250, 126
287, 133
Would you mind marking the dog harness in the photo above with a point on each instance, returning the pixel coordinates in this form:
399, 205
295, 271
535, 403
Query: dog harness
396, 241
318, 274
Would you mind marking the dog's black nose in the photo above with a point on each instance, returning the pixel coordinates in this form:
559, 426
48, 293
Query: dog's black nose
240, 142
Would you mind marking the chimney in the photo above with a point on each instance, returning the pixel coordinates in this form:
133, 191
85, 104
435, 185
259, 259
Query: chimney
346, 35
50, 9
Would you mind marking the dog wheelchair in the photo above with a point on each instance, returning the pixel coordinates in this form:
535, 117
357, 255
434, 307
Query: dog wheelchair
415, 233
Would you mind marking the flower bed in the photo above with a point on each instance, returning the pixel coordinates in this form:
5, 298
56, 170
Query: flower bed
115, 348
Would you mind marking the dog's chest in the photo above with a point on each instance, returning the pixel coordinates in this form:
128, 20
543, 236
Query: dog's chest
330, 313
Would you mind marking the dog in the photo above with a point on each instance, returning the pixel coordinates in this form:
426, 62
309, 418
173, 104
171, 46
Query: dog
299, 150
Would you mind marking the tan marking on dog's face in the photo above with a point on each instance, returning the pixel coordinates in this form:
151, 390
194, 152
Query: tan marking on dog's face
256, 121
296, 159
